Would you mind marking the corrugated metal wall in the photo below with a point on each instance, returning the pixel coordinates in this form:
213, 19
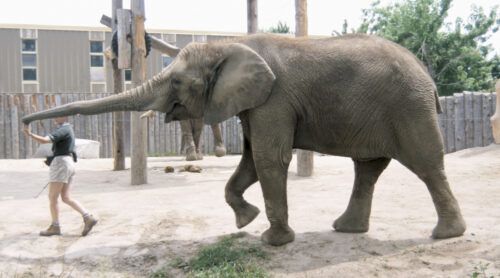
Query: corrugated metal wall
154, 62
64, 63
64, 60
10, 61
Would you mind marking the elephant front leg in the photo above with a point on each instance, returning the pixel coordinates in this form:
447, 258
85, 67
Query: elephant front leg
243, 177
357, 215
220, 149
187, 140
272, 168
197, 131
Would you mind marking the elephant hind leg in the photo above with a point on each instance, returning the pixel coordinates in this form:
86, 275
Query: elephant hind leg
423, 155
450, 220
357, 215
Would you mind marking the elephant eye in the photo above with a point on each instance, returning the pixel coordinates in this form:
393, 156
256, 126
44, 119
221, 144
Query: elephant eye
176, 81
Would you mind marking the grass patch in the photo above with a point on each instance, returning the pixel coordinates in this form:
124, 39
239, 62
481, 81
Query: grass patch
480, 271
226, 258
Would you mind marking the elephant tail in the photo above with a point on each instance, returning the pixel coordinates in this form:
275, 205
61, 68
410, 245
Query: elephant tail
438, 104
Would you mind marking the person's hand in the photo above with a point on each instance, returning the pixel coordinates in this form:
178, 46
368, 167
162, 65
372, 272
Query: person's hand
26, 130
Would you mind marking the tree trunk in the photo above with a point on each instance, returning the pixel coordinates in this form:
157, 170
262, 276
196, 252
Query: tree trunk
305, 159
138, 125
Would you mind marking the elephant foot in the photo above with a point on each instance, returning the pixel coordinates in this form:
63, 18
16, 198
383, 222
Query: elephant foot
349, 224
191, 154
245, 215
199, 156
449, 228
220, 150
278, 236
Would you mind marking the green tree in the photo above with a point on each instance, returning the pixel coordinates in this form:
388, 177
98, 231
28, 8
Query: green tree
456, 54
281, 28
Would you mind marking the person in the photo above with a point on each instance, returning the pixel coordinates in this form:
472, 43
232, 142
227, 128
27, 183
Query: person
61, 173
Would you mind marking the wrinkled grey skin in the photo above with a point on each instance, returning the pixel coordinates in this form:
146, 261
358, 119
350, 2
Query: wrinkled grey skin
356, 96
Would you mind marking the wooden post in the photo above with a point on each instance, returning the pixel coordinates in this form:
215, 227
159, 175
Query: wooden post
305, 159
138, 125
252, 17
156, 43
118, 144
301, 29
495, 119
123, 19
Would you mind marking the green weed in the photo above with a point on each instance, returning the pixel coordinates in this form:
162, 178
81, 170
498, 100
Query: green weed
226, 258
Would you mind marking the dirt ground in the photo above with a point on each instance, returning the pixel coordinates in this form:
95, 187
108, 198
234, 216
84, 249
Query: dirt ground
144, 227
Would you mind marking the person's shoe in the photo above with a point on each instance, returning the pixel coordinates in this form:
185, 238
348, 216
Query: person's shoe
51, 231
89, 222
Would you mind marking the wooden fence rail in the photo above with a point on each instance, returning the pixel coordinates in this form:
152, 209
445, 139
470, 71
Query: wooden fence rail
464, 123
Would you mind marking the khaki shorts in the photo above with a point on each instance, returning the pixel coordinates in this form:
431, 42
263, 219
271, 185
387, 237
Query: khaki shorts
62, 169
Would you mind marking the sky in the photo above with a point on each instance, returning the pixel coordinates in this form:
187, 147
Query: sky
209, 15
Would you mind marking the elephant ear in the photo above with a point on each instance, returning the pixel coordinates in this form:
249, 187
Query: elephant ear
242, 80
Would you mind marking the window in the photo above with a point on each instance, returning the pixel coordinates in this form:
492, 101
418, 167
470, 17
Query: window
29, 63
96, 61
166, 60
96, 47
29, 45
29, 60
128, 75
29, 74
97, 73
96, 56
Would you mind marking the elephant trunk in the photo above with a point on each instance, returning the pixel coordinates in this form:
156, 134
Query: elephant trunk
137, 99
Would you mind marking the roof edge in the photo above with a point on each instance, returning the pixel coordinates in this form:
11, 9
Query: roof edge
105, 29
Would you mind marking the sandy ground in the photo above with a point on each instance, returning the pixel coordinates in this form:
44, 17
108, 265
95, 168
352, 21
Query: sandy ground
144, 227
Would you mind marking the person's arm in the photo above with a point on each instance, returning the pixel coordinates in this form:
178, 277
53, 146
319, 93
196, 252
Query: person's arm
36, 137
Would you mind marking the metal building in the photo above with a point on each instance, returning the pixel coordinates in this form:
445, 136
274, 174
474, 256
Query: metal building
58, 59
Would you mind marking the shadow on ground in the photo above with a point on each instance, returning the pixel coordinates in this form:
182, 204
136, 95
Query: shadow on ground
306, 253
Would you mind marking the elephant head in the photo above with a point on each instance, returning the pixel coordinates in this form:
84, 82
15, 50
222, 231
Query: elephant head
214, 81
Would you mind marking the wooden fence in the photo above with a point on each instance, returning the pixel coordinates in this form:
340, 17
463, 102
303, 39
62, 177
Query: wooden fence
465, 123
163, 139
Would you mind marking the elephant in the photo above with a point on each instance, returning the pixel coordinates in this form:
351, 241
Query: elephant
191, 139
357, 96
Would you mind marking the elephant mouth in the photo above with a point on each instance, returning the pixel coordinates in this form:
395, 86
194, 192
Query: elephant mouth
177, 113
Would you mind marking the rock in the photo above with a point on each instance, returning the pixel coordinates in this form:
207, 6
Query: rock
191, 168
84, 149
169, 169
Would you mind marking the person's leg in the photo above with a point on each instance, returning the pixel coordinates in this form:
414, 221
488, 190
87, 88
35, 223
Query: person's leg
54, 192
89, 220
66, 198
